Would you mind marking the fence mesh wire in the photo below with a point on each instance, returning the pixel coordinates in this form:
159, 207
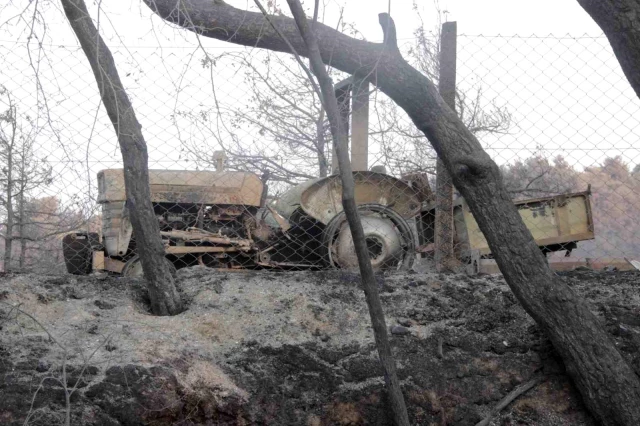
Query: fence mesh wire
233, 133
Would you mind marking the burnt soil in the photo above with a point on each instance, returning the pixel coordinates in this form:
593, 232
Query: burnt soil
295, 348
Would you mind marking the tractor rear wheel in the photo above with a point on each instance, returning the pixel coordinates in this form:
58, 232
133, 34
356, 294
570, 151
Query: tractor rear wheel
389, 239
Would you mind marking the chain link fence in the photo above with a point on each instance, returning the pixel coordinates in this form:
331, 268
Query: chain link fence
241, 158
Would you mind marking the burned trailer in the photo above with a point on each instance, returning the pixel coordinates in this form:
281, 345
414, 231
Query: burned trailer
557, 223
219, 219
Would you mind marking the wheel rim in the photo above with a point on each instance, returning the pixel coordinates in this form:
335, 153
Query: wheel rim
389, 239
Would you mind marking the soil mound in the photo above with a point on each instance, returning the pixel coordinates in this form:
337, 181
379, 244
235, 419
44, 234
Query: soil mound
292, 348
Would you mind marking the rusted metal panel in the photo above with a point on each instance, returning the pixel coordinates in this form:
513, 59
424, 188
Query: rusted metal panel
97, 263
200, 249
182, 186
282, 222
201, 236
551, 220
288, 202
322, 200
116, 228
420, 182
113, 265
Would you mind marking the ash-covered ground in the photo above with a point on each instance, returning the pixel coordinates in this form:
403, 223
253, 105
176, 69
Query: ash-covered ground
289, 348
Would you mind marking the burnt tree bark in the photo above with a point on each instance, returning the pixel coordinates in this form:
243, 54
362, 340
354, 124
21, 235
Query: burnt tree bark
9, 148
610, 388
165, 299
620, 21
369, 283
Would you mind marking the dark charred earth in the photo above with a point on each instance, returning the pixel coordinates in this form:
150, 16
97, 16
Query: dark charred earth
296, 348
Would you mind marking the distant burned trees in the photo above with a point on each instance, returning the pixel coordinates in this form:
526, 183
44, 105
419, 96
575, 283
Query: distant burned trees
21, 171
30, 218
538, 176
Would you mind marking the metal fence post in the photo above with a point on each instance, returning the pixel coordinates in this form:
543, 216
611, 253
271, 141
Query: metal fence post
343, 95
360, 125
444, 231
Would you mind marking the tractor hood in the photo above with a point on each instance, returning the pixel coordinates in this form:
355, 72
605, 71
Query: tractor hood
182, 186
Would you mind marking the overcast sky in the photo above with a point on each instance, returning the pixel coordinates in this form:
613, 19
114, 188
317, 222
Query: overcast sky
488, 17
560, 96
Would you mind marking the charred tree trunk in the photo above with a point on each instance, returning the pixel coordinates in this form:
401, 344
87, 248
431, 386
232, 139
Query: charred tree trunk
23, 252
8, 239
10, 152
21, 230
165, 299
620, 21
21, 207
610, 388
339, 135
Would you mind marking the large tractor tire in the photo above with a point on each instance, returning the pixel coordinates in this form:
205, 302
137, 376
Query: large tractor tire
77, 249
389, 238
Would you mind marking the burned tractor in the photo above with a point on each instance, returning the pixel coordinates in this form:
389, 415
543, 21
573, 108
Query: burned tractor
221, 220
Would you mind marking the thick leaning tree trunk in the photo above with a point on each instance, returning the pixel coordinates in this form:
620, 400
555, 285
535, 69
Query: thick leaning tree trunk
620, 21
165, 299
610, 388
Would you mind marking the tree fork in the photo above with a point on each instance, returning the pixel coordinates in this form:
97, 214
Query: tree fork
165, 299
610, 388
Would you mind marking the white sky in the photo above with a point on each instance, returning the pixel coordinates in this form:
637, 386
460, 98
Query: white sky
488, 17
538, 80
